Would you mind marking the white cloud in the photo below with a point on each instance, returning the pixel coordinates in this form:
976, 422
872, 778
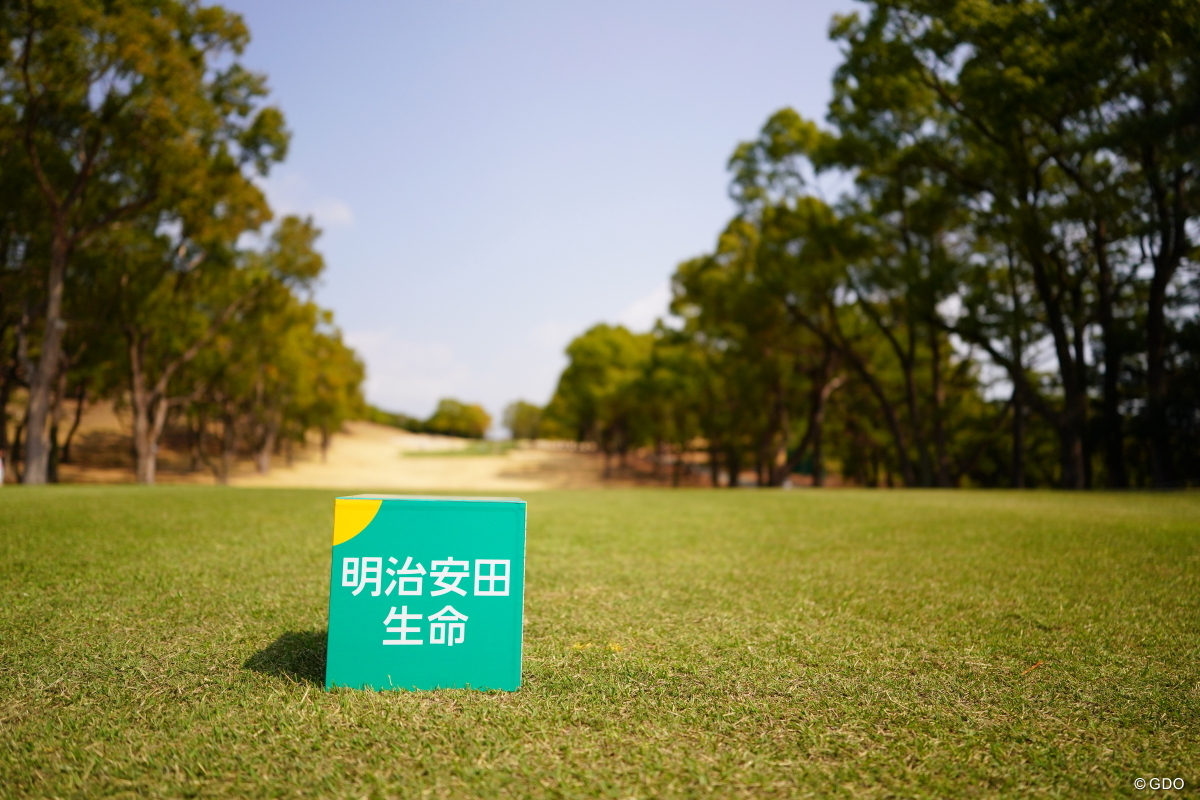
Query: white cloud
641, 314
291, 193
408, 376
552, 336
332, 213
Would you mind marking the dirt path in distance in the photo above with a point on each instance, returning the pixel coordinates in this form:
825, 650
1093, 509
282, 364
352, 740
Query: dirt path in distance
364, 455
375, 456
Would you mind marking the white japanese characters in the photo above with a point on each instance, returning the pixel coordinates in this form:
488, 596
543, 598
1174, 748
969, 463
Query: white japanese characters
492, 578
372, 572
449, 629
447, 575
405, 577
404, 629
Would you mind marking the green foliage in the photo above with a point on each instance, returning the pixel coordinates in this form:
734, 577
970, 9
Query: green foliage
523, 420
594, 397
130, 146
393, 419
121, 121
278, 368
840, 644
1004, 189
1065, 135
454, 418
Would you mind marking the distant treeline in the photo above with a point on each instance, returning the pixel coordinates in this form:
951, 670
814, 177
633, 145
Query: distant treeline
131, 139
981, 271
451, 418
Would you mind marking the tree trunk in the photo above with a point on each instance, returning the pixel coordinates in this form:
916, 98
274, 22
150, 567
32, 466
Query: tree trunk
144, 447
195, 428
873, 472
938, 394
1171, 217
7, 378
1069, 422
818, 452
841, 345
228, 447
734, 459
1114, 438
80, 401
822, 389
43, 377
925, 477
145, 444
1071, 446
1162, 468
817, 423
780, 466
52, 462
60, 391
18, 448
889, 416
714, 465
1081, 412
1018, 439
1017, 373
262, 459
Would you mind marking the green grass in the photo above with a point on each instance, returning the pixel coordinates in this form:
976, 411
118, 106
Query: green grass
483, 447
169, 643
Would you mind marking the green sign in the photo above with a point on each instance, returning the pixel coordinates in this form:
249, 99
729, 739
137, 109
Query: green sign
426, 593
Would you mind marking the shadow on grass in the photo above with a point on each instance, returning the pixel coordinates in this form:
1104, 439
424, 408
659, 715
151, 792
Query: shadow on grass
299, 655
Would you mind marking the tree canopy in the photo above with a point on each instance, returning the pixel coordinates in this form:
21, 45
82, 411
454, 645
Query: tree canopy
131, 140
992, 237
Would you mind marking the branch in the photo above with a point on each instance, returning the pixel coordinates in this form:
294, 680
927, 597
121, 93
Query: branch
1035, 399
30, 117
160, 386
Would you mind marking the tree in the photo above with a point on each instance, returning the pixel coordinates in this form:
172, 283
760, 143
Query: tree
273, 369
1069, 129
170, 308
594, 394
455, 418
120, 111
523, 420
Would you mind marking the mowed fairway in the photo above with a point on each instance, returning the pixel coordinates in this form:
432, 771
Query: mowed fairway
169, 642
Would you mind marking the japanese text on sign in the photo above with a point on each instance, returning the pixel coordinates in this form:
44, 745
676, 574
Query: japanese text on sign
492, 578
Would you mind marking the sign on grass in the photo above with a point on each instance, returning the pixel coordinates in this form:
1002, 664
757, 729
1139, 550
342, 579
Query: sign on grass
426, 592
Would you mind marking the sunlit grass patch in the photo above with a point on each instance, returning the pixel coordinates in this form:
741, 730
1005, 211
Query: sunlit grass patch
170, 642
482, 447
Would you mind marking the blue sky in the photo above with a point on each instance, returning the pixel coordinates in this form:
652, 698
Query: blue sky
494, 178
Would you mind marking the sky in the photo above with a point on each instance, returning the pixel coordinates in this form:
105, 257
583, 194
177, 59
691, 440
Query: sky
494, 178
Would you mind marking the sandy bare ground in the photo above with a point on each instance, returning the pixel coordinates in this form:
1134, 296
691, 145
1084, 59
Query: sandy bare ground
364, 455
375, 456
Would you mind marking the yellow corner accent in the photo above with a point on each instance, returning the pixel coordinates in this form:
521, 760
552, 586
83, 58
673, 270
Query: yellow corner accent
351, 516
